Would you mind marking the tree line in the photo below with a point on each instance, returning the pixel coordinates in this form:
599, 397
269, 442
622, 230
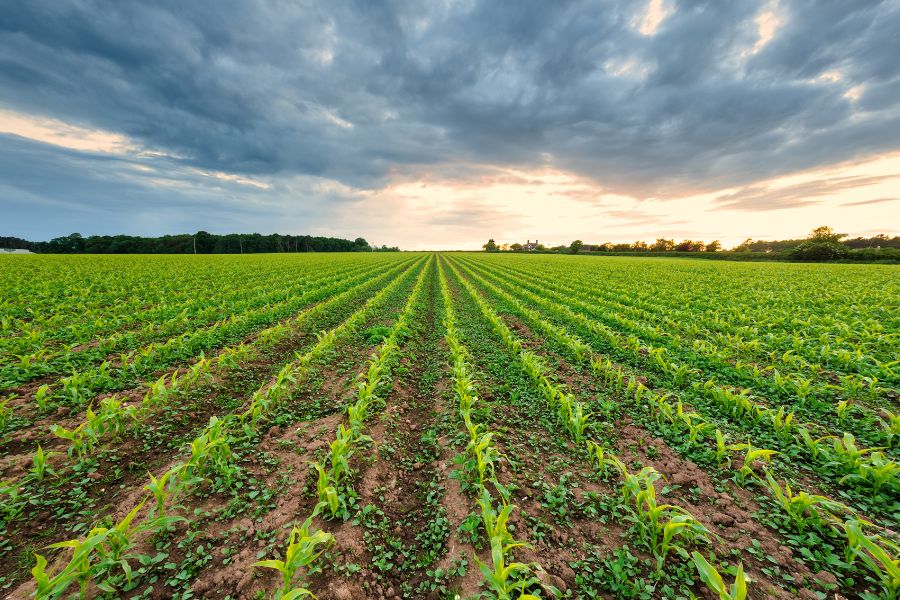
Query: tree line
201, 242
820, 245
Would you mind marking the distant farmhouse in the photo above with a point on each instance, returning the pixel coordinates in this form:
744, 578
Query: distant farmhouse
530, 246
15, 251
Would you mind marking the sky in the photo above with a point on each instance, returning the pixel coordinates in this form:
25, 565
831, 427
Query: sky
440, 124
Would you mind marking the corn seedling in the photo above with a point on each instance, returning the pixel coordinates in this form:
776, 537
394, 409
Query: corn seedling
681, 528
722, 450
843, 409
802, 509
506, 580
713, 579
601, 458
878, 470
40, 463
13, 502
302, 550
6, 413
81, 439
847, 454
42, 397
168, 487
751, 457
98, 556
877, 553
814, 446
891, 425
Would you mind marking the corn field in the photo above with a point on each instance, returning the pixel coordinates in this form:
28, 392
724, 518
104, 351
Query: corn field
447, 425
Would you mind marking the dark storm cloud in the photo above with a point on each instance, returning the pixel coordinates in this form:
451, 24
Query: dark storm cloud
47, 191
357, 91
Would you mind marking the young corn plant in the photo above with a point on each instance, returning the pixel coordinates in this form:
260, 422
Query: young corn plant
577, 418
169, 487
40, 463
81, 440
723, 456
211, 452
695, 424
76, 389
713, 579
813, 445
879, 471
877, 553
844, 407
782, 423
78, 570
6, 413
13, 501
602, 458
483, 457
680, 529
890, 423
507, 580
663, 527
115, 417
42, 398
98, 557
846, 454
802, 509
302, 551
332, 472
751, 457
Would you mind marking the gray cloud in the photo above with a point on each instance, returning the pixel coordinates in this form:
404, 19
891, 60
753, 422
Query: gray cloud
761, 198
360, 92
473, 211
873, 201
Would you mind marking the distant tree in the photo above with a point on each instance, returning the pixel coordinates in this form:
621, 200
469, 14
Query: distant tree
16, 243
879, 241
663, 245
743, 246
622, 247
575, 247
822, 244
504, 248
640, 246
690, 246
67, 244
361, 245
205, 241
515, 247
825, 234
540, 248
714, 246
491, 246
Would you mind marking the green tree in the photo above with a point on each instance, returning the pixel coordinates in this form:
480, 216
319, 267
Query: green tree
491, 246
663, 245
206, 242
825, 234
714, 246
821, 245
576, 246
743, 246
